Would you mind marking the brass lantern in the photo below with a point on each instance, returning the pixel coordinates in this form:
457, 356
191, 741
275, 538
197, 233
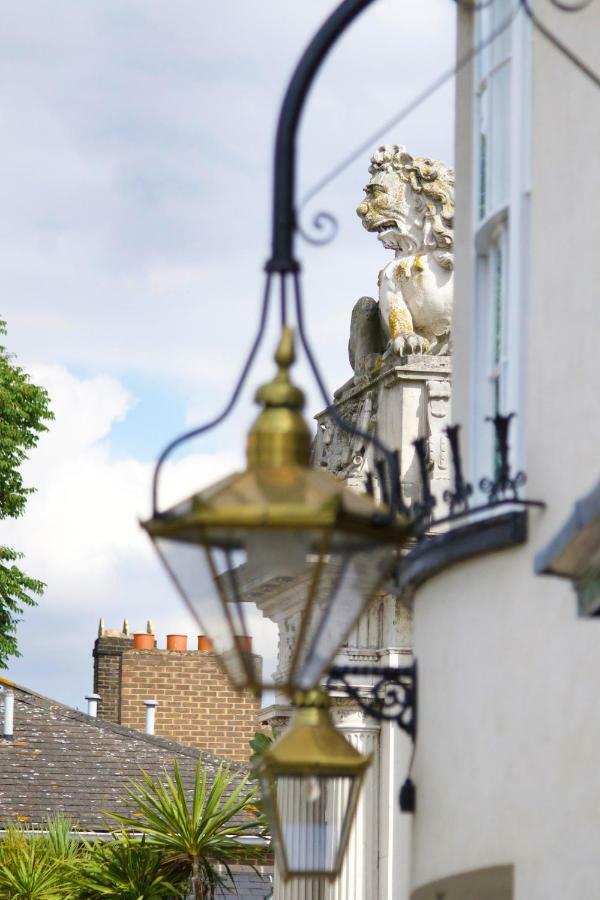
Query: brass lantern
311, 780
279, 526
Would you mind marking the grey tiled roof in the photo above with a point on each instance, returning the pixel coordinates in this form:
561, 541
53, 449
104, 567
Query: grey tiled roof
249, 885
62, 760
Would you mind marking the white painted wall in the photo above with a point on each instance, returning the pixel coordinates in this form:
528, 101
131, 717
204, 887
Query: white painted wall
507, 764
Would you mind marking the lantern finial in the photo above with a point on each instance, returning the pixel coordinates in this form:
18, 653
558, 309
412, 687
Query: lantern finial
281, 392
280, 436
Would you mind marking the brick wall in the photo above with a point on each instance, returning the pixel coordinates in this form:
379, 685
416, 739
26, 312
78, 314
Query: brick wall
108, 651
196, 704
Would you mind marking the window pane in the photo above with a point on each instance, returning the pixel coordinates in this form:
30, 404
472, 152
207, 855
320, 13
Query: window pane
482, 176
498, 290
493, 98
499, 118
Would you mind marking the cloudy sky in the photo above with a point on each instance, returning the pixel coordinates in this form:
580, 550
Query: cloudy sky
135, 176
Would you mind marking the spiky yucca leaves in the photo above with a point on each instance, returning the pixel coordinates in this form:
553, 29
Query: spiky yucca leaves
59, 838
29, 870
198, 835
127, 869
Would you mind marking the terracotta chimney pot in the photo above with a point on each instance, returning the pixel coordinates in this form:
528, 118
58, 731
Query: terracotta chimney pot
245, 642
205, 644
177, 642
143, 641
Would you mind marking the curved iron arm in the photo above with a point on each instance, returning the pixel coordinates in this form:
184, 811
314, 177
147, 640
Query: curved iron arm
284, 216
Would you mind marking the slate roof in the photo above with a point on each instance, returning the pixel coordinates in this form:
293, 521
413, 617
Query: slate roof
62, 760
249, 885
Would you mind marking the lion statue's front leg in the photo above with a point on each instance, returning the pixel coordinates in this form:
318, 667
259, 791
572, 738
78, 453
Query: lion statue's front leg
398, 323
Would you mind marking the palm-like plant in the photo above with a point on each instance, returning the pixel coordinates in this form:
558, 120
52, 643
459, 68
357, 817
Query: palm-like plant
60, 840
198, 835
127, 869
29, 870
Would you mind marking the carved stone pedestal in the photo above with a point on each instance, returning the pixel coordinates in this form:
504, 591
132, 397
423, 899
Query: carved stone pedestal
399, 400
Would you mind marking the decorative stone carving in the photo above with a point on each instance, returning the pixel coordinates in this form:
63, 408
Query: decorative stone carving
409, 203
404, 400
343, 453
438, 408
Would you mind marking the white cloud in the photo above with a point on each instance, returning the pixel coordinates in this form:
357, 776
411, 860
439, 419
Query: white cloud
84, 517
81, 532
137, 155
137, 164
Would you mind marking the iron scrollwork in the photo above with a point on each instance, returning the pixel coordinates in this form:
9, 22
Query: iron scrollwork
457, 499
392, 697
424, 508
502, 489
503, 484
325, 227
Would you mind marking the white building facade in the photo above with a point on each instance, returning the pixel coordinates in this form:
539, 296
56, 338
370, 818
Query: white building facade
508, 793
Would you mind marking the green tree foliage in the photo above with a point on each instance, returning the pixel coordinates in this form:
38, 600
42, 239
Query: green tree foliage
197, 834
24, 410
261, 742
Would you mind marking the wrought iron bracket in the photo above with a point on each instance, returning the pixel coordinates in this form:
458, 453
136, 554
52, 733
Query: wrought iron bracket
501, 490
392, 697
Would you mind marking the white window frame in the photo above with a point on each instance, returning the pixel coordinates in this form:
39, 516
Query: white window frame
504, 226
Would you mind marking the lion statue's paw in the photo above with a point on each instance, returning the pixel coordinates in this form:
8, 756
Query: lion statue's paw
407, 342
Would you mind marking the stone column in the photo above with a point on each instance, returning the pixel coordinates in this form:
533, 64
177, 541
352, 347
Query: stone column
359, 876
400, 400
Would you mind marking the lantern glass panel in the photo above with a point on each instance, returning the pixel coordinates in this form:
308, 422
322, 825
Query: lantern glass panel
217, 583
312, 821
219, 613
350, 575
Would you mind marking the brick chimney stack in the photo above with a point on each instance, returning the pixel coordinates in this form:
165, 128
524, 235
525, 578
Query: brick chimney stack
195, 703
108, 655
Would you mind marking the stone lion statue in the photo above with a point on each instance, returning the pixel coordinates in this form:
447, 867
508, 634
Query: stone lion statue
409, 203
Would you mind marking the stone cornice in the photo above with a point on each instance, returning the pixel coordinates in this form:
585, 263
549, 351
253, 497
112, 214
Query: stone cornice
421, 367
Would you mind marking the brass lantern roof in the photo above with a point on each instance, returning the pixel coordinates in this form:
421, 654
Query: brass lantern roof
288, 496
279, 489
313, 746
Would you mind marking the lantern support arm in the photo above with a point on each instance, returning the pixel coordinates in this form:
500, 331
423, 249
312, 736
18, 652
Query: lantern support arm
392, 697
284, 210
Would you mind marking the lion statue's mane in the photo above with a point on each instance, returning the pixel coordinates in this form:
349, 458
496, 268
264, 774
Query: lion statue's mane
433, 185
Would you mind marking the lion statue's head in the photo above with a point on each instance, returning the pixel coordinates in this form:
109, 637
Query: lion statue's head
409, 202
